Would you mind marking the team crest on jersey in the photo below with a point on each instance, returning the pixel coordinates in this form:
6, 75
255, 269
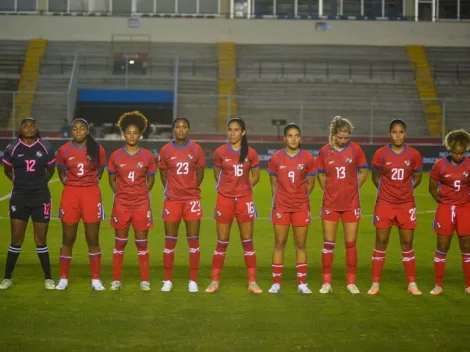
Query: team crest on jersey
300, 167
140, 165
349, 160
38, 154
190, 157
465, 174
407, 163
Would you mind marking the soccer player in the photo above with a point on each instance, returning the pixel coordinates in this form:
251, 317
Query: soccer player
181, 164
342, 169
449, 185
396, 172
233, 164
131, 176
29, 164
292, 173
80, 164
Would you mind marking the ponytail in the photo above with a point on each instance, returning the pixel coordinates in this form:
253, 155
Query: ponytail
339, 124
92, 150
244, 149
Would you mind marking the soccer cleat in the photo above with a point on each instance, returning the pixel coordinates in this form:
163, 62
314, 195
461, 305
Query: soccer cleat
167, 286
5, 284
275, 288
192, 286
353, 289
62, 285
374, 290
213, 287
326, 288
413, 289
97, 285
145, 286
303, 288
49, 284
467, 291
115, 285
436, 291
254, 288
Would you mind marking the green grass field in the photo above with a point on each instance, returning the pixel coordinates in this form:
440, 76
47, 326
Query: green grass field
78, 319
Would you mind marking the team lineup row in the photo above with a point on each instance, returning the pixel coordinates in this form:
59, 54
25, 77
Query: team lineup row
341, 169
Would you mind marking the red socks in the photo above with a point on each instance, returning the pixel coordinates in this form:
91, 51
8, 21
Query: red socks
277, 273
118, 257
218, 259
250, 259
327, 261
351, 262
439, 267
466, 268
194, 257
378, 261
301, 273
144, 259
169, 256
409, 263
64, 264
95, 265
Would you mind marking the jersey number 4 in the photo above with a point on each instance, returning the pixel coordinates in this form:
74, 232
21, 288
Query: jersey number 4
182, 168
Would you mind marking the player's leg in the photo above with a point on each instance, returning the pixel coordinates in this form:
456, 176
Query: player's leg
223, 214
384, 218
192, 235
351, 228
409, 259
300, 242
92, 235
18, 221
245, 213
172, 214
281, 234
120, 221
40, 238
330, 226
142, 222
69, 214
442, 247
464, 243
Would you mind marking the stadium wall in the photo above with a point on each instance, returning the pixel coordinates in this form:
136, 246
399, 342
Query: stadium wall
430, 153
240, 31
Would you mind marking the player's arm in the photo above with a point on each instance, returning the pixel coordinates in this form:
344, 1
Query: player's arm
150, 181
376, 173
273, 179
163, 176
50, 171
99, 173
112, 182
216, 173
8, 170
321, 179
434, 188
310, 183
417, 176
255, 176
363, 175
62, 174
200, 175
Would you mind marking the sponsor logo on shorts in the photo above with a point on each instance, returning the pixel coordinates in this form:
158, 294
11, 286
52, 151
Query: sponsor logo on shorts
326, 211
377, 218
278, 215
115, 220
13, 208
166, 211
218, 213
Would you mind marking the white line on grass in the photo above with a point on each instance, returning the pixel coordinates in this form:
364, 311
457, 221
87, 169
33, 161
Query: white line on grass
264, 218
8, 196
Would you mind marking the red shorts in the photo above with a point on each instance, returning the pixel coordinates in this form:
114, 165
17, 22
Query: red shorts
344, 216
298, 218
243, 209
122, 218
81, 203
450, 218
175, 211
403, 216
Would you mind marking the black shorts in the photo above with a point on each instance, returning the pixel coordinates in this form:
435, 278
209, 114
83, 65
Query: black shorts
37, 206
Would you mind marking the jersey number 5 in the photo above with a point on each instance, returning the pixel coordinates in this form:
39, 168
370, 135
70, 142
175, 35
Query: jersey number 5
182, 168
457, 185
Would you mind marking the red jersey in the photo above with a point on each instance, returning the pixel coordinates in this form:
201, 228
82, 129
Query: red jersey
396, 181
181, 163
234, 177
454, 181
131, 174
341, 169
291, 172
80, 172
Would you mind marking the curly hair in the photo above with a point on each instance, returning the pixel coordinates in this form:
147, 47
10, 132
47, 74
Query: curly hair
133, 118
340, 124
457, 138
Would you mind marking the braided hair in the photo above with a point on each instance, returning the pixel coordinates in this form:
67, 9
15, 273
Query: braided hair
92, 146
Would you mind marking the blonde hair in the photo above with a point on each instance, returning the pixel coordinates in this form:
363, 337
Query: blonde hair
457, 138
340, 124
133, 118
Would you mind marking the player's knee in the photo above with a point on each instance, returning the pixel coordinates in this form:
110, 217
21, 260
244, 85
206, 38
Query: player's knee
406, 245
40, 239
280, 245
381, 244
300, 246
